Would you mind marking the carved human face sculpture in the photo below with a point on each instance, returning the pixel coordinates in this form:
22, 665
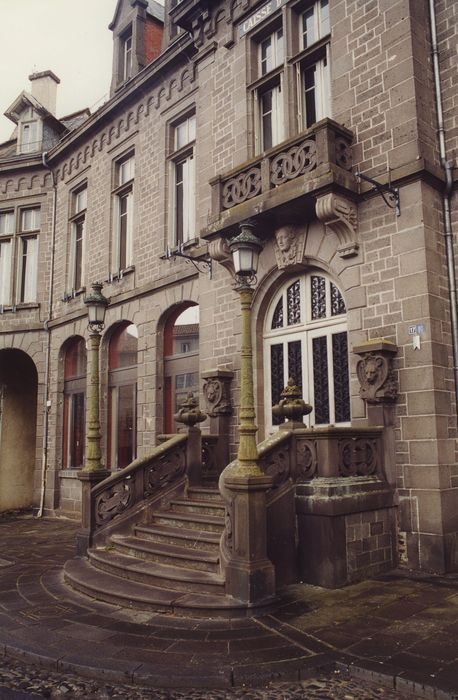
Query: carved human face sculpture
285, 237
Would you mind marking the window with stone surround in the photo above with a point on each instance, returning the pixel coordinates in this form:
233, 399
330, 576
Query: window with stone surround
74, 404
305, 338
182, 207
126, 55
78, 206
311, 60
123, 211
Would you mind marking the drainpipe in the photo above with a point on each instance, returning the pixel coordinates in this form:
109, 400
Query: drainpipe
448, 234
47, 402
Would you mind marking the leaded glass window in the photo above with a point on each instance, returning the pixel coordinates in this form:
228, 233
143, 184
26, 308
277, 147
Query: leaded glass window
306, 339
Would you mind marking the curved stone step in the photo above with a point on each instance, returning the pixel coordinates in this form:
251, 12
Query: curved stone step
86, 579
155, 574
191, 539
193, 521
167, 553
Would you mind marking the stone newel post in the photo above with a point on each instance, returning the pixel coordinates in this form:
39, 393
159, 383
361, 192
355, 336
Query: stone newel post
190, 415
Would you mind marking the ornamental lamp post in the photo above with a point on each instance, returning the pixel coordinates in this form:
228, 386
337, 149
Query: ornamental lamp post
245, 249
96, 307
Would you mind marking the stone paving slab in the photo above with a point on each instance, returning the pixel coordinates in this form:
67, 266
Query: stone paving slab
399, 628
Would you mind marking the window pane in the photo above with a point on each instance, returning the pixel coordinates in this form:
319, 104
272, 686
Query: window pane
340, 373
80, 200
30, 219
5, 272
318, 297
126, 427
75, 360
179, 201
29, 265
267, 116
295, 361
325, 26
266, 56
277, 381
293, 296
277, 318
310, 96
6, 222
320, 380
126, 171
76, 431
337, 302
185, 132
123, 347
78, 254
308, 28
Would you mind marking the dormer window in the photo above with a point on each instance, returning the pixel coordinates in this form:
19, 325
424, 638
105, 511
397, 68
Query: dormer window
29, 137
127, 56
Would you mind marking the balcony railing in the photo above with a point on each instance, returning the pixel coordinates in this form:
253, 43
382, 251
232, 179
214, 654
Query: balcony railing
317, 154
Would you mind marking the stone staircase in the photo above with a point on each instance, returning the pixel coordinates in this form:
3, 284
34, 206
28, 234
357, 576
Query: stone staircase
170, 564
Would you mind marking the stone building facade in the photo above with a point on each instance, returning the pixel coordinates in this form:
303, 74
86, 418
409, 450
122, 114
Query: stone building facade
259, 112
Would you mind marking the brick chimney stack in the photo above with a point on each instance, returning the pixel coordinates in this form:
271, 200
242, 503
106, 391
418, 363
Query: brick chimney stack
44, 89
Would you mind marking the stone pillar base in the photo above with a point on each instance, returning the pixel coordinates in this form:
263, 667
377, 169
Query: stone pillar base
84, 535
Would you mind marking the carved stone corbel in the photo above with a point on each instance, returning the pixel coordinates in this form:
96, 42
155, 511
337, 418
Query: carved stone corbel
375, 372
339, 215
219, 251
290, 245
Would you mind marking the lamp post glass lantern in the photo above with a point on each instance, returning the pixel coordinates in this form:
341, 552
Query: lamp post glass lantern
96, 307
245, 249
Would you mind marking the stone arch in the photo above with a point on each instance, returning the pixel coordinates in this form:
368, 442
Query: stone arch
18, 428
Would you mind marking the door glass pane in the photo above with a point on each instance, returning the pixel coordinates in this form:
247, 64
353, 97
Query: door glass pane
277, 381
320, 380
277, 318
340, 373
295, 362
337, 302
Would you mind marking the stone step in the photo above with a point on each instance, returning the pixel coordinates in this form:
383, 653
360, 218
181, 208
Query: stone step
202, 493
167, 553
186, 505
191, 539
191, 521
83, 577
155, 574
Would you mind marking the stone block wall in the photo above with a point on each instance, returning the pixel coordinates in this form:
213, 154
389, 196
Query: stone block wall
370, 543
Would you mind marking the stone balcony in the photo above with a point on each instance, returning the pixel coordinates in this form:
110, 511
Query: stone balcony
285, 180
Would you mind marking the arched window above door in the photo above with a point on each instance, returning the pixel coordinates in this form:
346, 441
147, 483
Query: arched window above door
305, 337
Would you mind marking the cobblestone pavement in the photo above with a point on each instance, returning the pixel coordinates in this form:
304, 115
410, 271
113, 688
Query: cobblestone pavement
31, 682
399, 629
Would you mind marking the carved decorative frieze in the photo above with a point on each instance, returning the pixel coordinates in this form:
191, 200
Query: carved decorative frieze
296, 161
243, 186
290, 245
378, 383
217, 385
340, 216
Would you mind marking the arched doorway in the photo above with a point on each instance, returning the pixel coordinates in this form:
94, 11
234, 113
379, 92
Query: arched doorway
74, 404
122, 396
181, 360
305, 337
18, 419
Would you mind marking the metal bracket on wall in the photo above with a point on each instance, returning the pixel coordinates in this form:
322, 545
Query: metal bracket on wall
390, 194
203, 263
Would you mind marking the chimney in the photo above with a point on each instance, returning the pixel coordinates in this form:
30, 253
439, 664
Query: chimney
44, 89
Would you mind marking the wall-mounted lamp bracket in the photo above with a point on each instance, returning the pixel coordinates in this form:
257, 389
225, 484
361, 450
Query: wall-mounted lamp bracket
390, 194
202, 263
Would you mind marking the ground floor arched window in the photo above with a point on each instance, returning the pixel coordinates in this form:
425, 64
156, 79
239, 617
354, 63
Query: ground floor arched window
305, 337
74, 404
122, 396
181, 360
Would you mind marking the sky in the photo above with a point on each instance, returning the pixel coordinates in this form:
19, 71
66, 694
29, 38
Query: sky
69, 37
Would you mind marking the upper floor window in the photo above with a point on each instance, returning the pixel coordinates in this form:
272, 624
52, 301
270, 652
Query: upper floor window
271, 52
314, 23
78, 207
6, 247
314, 92
28, 255
182, 200
123, 200
29, 140
126, 55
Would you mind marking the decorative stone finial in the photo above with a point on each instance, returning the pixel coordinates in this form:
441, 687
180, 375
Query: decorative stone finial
189, 413
291, 405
